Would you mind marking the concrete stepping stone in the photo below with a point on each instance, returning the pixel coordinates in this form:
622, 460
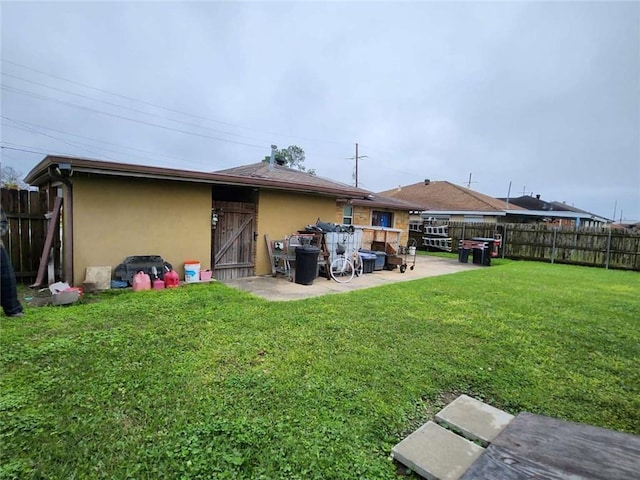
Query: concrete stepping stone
436, 453
474, 419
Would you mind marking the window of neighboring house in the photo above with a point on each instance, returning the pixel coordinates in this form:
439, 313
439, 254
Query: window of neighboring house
347, 215
381, 219
474, 219
415, 226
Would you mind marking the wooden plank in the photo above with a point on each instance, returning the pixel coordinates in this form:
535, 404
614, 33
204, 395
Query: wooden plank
576, 449
500, 463
48, 242
270, 250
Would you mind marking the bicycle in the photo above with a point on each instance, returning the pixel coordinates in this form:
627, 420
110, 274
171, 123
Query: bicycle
344, 267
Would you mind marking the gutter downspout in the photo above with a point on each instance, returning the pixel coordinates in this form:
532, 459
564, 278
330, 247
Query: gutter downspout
67, 206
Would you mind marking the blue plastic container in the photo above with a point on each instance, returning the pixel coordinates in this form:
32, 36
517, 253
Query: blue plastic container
368, 261
381, 258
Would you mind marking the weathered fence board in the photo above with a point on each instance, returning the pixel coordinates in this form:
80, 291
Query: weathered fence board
25, 211
592, 246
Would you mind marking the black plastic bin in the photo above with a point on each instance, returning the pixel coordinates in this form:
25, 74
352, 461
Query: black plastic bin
306, 264
463, 255
486, 257
482, 256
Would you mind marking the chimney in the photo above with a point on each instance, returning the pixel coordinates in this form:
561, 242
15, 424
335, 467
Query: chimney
273, 156
427, 181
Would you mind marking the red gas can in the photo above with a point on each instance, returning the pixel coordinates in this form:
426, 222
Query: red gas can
158, 284
171, 279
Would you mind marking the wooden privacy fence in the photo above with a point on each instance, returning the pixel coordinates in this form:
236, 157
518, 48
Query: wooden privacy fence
25, 211
592, 246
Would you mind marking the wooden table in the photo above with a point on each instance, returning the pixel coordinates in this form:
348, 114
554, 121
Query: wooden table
534, 446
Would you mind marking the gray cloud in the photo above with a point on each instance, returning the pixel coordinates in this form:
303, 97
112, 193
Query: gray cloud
545, 95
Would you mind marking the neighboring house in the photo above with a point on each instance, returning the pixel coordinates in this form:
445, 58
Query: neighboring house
558, 213
115, 210
445, 201
378, 212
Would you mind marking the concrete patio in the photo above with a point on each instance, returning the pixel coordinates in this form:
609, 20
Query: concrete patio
281, 289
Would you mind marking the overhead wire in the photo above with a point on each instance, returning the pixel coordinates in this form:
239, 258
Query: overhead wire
122, 117
34, 95
172, 109
34, 130
135, 110
124, 155
119, 152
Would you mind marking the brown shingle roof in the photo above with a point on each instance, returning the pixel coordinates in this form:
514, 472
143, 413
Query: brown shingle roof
262, 170
280, 178
446, 196
279, 173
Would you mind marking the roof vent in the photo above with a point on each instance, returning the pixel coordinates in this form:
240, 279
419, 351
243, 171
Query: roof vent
427, 181
280, 161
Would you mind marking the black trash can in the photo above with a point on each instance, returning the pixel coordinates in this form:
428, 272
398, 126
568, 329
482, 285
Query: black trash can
306, 264
463, 255
486, 258
482, 256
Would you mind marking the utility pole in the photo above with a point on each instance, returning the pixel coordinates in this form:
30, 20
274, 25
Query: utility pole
356, 165
356, 158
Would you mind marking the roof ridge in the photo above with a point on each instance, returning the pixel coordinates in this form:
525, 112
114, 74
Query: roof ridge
477, 195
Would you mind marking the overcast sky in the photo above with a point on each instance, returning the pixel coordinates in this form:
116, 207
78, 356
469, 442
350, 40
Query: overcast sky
544, 95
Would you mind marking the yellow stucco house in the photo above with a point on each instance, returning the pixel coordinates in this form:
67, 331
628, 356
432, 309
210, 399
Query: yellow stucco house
114, 210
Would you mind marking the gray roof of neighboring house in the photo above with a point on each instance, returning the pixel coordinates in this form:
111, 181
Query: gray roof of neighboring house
537, 204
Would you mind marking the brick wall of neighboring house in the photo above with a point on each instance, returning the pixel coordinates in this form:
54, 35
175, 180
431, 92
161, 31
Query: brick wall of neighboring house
402, 222
362, 216
339, 212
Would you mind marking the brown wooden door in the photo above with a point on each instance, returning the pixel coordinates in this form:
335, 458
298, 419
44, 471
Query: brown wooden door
232, 240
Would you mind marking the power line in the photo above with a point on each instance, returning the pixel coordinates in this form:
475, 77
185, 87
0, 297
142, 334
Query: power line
123, 147
120, 154
168, 108
42, 97
129, 108
47, 135
39, 152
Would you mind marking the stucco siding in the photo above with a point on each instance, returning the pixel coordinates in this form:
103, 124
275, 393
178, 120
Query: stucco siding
281, 214
115, 218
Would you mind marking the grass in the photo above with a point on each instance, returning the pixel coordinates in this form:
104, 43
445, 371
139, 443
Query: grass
209, 382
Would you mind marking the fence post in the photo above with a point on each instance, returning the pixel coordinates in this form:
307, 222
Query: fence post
606, 265
463, 228
504, 239
553, 247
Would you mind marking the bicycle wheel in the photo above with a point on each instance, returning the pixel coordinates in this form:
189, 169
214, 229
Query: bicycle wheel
342, 270
358, 264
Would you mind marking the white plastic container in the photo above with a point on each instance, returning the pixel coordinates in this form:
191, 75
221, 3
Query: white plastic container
191, 271
412, 251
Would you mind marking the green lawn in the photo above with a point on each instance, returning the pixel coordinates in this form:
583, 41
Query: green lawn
208, 382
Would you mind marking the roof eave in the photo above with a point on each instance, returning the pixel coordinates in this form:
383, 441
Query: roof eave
463, 212
40, 174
